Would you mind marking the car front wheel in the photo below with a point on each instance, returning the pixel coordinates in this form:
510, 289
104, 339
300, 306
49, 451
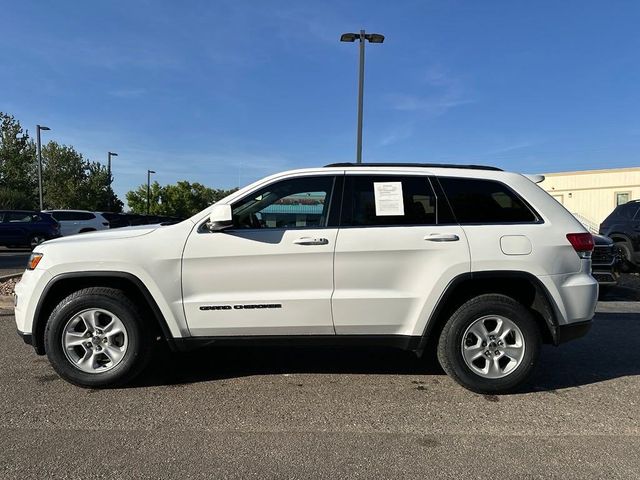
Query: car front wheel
490, 344
95, 338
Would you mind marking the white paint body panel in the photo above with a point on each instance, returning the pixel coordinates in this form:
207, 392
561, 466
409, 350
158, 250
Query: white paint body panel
259, 267
386, 277
380, 280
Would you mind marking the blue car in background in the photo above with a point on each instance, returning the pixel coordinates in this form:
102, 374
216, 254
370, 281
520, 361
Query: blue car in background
26, 228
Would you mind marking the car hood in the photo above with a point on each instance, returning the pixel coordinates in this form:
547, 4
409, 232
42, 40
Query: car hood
113, 234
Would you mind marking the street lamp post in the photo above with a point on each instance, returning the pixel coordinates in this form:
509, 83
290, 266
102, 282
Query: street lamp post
149, 172
109, 155
39, 146
372, 38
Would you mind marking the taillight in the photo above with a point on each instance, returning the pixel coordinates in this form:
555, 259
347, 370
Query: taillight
582, 243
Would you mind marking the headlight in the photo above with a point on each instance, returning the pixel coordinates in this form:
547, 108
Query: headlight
34, 260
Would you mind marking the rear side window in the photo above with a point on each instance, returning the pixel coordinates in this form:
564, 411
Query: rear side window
20, 217
382, 200
627, 211
485, 201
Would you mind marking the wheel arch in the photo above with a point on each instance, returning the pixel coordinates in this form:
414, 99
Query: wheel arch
617, 236
64, 284
521, 286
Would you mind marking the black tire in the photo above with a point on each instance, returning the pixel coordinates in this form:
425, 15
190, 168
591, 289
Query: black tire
625, 265
35, 240
451, 341
139, 344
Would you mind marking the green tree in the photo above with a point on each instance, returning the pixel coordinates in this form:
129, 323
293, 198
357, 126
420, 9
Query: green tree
18, 168
71, 181
181, 199
137, 199
98, 194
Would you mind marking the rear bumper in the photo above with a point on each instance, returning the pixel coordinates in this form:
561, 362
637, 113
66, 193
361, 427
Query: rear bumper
605, 277
571, 331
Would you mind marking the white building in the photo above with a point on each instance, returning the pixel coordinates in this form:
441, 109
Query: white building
591, 195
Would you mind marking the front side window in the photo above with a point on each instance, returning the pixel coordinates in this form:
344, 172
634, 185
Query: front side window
293, 203
60, 216
485, 201
383, 200
80, 216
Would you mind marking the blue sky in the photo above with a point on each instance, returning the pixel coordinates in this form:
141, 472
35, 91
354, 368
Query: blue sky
225, 92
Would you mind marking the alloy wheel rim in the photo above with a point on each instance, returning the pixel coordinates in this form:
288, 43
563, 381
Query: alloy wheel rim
94, 340
35, 241
493, 346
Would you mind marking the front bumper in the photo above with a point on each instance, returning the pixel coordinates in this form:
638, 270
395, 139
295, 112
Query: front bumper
26, 337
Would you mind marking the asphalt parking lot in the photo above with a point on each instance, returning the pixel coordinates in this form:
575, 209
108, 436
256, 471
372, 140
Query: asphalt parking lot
328, 413
13, 261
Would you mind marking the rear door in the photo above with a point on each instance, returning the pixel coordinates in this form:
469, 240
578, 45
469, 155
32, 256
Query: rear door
8, 231
395, 254
17, 227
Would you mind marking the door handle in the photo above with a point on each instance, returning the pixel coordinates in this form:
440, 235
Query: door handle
442, 237
311, 241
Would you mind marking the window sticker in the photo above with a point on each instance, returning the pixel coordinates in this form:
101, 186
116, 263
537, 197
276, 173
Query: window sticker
388, 196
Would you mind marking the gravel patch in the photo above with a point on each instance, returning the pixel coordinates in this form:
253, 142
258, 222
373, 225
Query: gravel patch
6, 287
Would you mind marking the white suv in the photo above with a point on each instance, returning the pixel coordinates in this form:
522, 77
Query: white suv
481, 263
78, 221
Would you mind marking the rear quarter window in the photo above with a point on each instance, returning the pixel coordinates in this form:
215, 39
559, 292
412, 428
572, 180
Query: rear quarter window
485, 201
627, 211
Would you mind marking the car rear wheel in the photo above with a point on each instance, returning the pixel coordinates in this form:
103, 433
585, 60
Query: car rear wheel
625, 265
36, 240
95, 337
490, 344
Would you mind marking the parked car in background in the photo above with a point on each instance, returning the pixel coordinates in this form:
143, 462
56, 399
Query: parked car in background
623, 227
604, 260
26, 228
118, 220
78, 221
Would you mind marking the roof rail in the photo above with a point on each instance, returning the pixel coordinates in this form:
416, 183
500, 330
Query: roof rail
431, 165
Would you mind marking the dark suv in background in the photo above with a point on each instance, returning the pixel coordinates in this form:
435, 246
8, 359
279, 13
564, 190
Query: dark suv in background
26, 228
623, 227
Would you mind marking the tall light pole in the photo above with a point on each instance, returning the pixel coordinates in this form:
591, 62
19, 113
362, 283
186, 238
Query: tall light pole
39, 145
109, 155
372, 38
149, 172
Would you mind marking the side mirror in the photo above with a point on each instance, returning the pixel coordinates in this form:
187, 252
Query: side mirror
220, 218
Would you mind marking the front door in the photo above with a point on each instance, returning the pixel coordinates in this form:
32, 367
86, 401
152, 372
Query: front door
272, 272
